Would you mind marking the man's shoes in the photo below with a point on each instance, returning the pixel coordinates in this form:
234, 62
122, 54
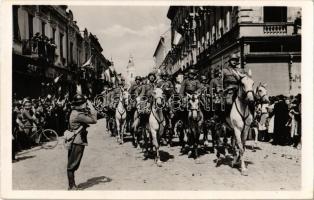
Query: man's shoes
75, 187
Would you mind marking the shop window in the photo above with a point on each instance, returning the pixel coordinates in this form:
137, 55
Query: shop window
275, 14
61, 46
16, 31
43, 26
54, 35
71, 52
30, 25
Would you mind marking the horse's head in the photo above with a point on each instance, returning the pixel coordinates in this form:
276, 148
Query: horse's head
125, 97
246, 85
158, 97
194, 105
261, 92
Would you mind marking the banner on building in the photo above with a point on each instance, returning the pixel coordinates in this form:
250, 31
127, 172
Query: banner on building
177, 39
88, 63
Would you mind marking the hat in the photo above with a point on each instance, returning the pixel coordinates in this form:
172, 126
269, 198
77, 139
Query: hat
192, 71
163, 73
78, 100
203, 78
233, 57
217, 71
137, 78
151, 74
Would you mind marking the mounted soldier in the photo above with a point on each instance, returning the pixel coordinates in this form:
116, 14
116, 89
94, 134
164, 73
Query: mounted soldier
167, 87
231, 79
190, 85
134, 91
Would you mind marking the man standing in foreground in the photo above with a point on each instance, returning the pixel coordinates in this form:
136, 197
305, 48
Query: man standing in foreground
82, 114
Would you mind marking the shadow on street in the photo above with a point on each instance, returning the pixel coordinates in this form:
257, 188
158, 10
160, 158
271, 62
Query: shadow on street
94, 181
20, 158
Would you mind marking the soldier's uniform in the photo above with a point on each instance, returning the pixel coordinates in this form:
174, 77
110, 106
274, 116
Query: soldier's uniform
231, 79
79, 117
190, 85
166, 86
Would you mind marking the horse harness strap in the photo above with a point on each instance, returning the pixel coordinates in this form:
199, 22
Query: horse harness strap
158, 120
243, 117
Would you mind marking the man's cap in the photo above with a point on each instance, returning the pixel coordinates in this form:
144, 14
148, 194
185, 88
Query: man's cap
192, 71
78, 100
137, 78
233, 57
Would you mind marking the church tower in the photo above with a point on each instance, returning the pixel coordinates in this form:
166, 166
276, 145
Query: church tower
130, 69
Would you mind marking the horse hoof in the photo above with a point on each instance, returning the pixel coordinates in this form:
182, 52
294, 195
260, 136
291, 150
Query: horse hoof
244, 172
158, 163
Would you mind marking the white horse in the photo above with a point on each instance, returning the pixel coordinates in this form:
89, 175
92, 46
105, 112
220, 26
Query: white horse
241, 117
157, 122
261, 114
120, 115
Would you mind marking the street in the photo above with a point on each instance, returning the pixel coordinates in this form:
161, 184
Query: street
106, 165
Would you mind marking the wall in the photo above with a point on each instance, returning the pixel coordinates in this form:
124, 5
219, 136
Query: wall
270, 73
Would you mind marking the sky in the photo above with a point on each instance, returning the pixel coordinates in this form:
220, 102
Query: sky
125, 30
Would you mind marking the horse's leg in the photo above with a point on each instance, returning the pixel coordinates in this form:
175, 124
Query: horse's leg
118, 130
243, 141
156, 145
256, 137
123, 128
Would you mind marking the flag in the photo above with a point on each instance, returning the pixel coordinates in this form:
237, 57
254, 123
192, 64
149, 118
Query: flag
57, 79
88, 63
78, 89
177, 39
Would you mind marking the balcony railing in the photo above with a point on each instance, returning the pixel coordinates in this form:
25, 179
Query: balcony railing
41, 49
275, 29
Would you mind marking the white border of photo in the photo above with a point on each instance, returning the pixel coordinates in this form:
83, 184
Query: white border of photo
306, 191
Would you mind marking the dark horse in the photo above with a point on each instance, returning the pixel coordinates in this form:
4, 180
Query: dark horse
195, 121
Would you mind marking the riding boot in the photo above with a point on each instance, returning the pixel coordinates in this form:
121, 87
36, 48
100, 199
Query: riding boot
71, 179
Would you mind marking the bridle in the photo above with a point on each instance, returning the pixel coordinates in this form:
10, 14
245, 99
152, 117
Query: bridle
244, 116
159, 121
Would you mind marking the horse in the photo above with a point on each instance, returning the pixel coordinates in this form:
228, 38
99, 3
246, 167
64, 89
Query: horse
131, 108
195, 121
261, 113
140, 123
120, 115
157, 122
241, 117
177, 112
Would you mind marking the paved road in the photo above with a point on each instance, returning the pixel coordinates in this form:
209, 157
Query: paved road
107, 165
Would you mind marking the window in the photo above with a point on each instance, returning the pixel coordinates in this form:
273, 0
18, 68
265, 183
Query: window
131, 75
275, 14
71, 51
30, 25
16, 31
54, 35
43, 26
61, 45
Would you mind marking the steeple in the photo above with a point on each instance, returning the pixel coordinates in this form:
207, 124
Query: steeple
131, 62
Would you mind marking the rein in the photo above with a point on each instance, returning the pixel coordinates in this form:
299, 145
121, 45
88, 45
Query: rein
159, 121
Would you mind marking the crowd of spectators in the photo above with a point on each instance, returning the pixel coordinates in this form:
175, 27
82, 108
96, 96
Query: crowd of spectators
44, 46
50, 111
283, 122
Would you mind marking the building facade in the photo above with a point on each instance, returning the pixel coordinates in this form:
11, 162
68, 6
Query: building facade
266, 39
161, 51
47, 43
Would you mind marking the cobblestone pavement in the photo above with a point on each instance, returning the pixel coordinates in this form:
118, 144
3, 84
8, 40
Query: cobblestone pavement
106, 165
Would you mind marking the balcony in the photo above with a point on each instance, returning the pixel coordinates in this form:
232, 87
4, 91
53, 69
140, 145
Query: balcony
274, 29
267, 29
39, 49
